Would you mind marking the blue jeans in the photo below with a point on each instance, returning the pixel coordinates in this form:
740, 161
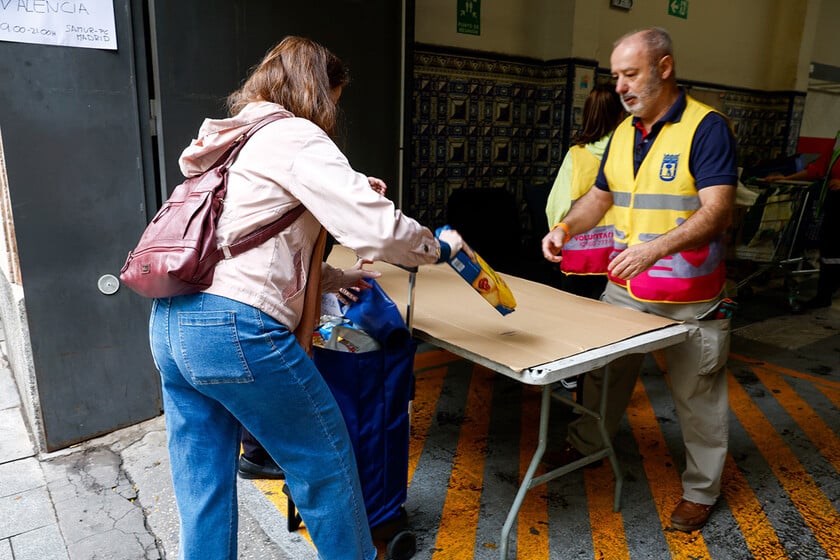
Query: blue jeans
223, 363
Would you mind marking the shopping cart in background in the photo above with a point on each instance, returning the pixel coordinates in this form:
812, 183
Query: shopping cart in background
777, 233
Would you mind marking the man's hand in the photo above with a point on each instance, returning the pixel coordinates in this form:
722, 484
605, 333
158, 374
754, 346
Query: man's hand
584, 215
705, 225
633, 261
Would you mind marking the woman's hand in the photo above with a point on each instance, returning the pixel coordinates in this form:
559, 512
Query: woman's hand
377, 185
453, 239
355, 281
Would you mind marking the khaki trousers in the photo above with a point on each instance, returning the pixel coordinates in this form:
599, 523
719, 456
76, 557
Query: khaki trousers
697, 373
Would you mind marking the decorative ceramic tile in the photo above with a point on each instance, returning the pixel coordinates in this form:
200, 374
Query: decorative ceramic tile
482, 122
762, 124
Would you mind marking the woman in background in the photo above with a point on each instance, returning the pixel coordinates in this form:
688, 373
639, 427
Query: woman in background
585, 256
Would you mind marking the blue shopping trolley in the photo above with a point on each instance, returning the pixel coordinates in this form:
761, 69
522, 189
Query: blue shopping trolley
374, 391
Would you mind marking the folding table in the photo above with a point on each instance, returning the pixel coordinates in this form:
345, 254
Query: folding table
552, 335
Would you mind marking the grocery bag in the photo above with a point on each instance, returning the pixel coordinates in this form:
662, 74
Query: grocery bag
373, 390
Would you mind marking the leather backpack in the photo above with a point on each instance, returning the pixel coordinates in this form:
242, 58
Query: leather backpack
177, 253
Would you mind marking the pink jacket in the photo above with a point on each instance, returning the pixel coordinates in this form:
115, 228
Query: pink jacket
287, 162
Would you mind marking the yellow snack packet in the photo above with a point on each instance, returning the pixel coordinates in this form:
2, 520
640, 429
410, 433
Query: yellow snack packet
484, 280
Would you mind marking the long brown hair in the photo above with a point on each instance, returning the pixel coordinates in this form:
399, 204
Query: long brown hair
298, 74
602, 111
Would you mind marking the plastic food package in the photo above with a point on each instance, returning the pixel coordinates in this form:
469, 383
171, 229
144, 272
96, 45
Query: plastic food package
482, 278
339, 333
344, 338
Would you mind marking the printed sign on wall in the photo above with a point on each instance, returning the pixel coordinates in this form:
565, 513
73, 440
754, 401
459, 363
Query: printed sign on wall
584, 82
86, 23
469, 17
678, 8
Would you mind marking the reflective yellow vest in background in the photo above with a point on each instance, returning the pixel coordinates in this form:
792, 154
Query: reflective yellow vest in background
589, 252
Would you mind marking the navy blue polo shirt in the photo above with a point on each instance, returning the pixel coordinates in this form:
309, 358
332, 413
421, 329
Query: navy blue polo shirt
712, 157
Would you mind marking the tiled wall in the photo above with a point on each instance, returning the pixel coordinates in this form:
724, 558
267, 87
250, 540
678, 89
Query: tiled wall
766, 125
484, 120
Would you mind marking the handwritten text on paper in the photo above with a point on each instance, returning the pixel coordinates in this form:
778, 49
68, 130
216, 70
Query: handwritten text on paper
87, 24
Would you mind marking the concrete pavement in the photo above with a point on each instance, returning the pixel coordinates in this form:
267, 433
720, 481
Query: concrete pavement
108, 498
111, 497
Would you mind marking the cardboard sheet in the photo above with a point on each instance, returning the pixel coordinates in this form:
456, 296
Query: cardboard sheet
548, 324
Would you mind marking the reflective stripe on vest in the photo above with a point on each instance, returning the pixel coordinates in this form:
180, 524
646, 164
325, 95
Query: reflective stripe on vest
589, 252
659, 198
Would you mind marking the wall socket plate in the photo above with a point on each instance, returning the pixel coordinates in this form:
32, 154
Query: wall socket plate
623, 4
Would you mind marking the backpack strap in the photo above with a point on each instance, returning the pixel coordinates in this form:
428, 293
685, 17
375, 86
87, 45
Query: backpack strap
266, 232
229, 155
259, 236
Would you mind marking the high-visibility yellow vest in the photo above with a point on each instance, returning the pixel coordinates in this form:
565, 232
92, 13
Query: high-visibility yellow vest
659, 198
589, 252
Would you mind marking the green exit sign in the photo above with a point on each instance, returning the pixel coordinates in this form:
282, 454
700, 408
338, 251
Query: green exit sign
469, 17
678, 8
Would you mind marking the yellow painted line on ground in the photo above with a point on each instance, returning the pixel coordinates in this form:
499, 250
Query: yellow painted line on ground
659, 358
532, 521
273, 490
662, 475
459, 520
815, 379
816, 510
757, 530
809, 421
831, 394
608, 539
751, 518
428, 385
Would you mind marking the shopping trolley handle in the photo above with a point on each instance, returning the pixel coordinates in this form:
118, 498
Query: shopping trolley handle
409, 305
763, 182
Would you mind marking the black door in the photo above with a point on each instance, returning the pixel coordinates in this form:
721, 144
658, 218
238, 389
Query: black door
77, 144
205, 49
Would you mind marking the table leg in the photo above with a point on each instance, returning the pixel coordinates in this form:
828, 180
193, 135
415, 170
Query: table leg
619, 477
530, 481
529, 474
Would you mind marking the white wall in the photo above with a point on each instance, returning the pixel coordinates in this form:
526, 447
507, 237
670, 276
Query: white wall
539, 29
753, 44
822, 110
827, 37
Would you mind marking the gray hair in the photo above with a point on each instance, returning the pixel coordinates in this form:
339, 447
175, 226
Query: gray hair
656, 40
